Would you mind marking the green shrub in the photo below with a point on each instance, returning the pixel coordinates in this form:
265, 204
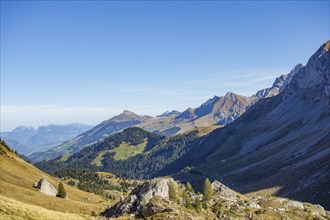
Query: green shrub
61, 191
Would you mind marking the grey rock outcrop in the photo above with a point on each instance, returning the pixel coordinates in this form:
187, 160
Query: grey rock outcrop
138, 201
223, 191
46, 187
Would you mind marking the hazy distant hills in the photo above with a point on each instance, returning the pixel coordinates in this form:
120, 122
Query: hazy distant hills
27, 140
280, 144
215, 111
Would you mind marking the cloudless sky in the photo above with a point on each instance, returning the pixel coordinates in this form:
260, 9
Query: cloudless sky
85, 61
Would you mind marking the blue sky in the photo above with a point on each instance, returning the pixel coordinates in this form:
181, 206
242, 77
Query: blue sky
85, 61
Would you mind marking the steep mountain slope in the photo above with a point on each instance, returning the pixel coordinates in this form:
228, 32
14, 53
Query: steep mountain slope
98, 133
27, 140
17, 192
282, 141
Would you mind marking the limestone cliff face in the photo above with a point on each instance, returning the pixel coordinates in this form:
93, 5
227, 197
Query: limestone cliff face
46, 187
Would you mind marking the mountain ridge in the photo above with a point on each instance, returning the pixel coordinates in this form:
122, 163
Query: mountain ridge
217, 110
274, 143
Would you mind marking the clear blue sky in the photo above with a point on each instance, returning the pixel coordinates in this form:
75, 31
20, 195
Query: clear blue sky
72, 61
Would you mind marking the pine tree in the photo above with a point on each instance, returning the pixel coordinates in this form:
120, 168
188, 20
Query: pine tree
61, 191
172, 191
186, 201
198, 204
189, 188
207, 191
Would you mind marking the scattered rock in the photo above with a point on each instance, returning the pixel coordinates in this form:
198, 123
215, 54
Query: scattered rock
253, 205
281, 209
46, 187
295, 204
154, 207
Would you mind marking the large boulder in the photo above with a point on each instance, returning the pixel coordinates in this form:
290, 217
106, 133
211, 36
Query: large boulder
46, 187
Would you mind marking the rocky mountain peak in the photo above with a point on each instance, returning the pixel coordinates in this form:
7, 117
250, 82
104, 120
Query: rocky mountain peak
230, 94
128, 116
127, 112
167, 113
279, 84
315, 74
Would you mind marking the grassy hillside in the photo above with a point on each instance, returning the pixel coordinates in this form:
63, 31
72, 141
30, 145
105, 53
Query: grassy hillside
18, 178
15, 210
134, 154
127, 150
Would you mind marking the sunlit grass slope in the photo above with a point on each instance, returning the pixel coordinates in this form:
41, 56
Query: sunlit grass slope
17, 178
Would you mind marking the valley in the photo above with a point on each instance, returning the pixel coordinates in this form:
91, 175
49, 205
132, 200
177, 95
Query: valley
272, 145
165, 110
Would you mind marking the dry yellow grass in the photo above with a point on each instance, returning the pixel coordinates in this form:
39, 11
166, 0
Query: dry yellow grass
17, 178
15, 210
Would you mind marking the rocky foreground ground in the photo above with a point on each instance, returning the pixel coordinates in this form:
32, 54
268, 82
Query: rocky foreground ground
152, 200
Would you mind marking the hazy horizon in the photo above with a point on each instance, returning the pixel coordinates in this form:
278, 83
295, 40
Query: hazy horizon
84, 62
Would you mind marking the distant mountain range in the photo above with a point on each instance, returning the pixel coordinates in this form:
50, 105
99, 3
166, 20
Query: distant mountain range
27, 140
280, 144
217, 110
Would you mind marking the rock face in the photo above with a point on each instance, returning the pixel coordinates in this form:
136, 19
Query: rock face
46, 187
